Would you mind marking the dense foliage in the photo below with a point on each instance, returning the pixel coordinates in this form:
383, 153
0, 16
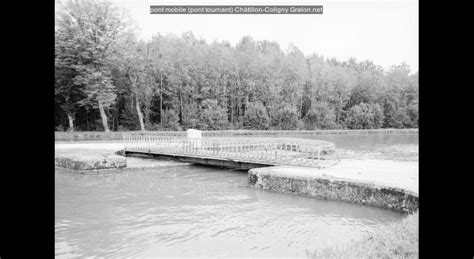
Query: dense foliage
107, 78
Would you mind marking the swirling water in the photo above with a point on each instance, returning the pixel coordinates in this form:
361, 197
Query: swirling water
190, 210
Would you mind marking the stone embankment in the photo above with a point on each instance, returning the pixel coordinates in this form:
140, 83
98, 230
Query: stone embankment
323, 184
91, 163
96, 157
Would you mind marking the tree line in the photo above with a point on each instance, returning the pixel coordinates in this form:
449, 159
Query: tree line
108, 79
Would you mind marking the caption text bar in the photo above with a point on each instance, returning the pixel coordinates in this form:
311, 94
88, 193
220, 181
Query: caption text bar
236, 9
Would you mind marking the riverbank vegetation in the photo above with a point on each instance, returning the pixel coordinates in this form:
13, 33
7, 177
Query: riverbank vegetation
108, 79
397, 240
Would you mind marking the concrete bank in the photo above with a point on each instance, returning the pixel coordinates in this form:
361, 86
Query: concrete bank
91, 162
89, 157
351, 181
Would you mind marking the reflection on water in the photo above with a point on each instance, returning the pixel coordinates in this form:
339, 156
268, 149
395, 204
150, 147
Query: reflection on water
201, 211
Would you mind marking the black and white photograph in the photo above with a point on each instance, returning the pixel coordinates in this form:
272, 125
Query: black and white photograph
236, 129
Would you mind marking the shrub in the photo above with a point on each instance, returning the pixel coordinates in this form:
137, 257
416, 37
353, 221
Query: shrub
412, 111
212, 116
364, 116
256, 117
128, 119
191, 118
320, 116
396, 115
122, 128
171, 120
395, 240
60, 127
285, 118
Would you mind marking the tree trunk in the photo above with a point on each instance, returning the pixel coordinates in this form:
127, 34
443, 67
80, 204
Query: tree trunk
181, 107
247, 100
161, 100
87, 121
70, 116
232, 110
300, 114
133, 80
103, 116
140, 114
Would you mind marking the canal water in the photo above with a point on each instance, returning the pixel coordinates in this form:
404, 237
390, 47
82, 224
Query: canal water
395, 147
189, 210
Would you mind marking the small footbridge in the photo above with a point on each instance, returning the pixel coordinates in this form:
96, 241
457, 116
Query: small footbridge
233, 152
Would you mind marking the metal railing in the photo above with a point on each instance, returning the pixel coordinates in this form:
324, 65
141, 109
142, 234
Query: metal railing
274, 151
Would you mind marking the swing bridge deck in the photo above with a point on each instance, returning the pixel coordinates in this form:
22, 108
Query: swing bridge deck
236, 152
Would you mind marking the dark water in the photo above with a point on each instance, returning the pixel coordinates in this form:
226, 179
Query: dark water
202, 211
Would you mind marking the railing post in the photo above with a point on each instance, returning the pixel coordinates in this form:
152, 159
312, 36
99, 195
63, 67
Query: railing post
140, 143
276, 150
137, 143
251, 150
306, 153
124, 142
148, 142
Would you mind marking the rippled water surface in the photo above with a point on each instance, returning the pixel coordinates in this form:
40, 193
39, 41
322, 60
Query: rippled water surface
398, 147
202, 211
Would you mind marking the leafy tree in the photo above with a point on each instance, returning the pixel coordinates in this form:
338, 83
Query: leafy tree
286, 118
320, 116
412, 112
192, 117
67, 94
129, 118
364, 116
397, 95
171, 120
212, 117
294, 74
256, 116
87, 31
135, 65
179, 82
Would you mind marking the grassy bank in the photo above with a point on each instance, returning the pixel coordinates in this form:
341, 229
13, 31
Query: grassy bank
396, 240
117, 135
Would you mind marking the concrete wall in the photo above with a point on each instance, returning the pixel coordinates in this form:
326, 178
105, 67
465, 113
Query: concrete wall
112, 161
329, 188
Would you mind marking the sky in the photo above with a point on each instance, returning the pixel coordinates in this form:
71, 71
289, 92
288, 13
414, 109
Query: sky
384, 31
